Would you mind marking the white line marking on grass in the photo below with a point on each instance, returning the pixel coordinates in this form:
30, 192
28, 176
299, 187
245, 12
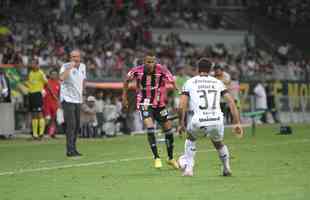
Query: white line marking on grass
69, 166
95, 163
79, 165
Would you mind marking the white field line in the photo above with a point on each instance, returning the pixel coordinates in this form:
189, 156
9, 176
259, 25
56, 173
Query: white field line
22, 171
95, 163
69, 166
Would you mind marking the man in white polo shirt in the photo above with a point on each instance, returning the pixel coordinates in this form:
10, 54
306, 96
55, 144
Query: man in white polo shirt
260, 99
73, 75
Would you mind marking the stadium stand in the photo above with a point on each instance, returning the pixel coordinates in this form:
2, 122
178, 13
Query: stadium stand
113, 35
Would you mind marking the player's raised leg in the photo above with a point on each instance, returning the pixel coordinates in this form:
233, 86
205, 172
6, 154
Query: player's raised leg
190, 153
187, 160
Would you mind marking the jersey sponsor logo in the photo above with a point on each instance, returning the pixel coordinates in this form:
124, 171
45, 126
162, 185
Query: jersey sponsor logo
209, 119
197, 81
209, 113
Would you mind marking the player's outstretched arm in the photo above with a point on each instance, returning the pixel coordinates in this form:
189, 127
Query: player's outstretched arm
236, 119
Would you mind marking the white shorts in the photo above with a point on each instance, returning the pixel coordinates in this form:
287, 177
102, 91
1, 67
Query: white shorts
215, 132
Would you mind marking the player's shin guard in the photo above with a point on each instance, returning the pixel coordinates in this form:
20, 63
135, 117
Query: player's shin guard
152, 141
190, 151
224, 156
41, 126
34, 124
169, 142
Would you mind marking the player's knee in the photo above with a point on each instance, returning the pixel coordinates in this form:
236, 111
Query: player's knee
191, 137
149, 122
167, 124
218, 144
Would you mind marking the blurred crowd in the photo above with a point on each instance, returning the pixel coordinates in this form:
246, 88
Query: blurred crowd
113, 36
294, 13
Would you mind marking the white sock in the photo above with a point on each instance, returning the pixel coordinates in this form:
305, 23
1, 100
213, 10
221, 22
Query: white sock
190, 151
224, 156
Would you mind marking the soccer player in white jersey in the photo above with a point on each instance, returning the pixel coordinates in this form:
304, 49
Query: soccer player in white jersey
200, 103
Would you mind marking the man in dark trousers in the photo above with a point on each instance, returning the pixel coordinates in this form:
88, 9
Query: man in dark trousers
72, 75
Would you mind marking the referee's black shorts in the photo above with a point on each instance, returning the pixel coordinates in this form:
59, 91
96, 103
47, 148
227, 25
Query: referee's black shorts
35, 102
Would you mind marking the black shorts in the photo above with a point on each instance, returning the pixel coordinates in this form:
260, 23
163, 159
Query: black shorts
224, 107
35, 102
158, 114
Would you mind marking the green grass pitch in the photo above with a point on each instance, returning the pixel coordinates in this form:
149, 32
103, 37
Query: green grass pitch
265, 166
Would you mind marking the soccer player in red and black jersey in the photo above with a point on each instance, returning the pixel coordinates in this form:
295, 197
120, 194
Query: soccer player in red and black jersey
151, 98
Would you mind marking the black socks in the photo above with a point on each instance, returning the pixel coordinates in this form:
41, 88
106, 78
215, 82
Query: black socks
152, 141
169, 143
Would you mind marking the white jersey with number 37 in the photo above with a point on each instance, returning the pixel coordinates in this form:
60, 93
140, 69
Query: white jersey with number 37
204, 100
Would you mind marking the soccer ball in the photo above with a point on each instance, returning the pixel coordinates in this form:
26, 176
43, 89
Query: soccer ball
182, 161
